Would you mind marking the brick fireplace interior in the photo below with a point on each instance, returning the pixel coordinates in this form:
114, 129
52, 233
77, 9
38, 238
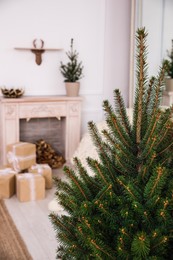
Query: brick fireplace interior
52, 130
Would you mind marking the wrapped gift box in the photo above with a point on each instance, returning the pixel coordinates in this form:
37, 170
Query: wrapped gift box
21, 155
30, 187
45, 170
7, 182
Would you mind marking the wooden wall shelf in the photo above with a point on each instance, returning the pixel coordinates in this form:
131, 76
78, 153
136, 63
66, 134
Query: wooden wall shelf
37, 51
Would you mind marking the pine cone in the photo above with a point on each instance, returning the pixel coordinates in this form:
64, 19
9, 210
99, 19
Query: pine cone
12, 93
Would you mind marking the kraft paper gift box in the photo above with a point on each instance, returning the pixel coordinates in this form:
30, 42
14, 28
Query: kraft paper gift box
45, 170
21, 155
7, 182
30, 187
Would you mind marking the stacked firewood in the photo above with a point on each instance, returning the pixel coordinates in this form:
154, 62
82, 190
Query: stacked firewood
45, 154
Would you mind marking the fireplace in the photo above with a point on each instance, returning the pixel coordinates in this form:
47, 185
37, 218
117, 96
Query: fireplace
57, 118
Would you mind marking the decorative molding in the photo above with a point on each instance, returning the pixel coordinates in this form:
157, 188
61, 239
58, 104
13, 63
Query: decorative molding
132, 43
33, 111
74, 109
10, 111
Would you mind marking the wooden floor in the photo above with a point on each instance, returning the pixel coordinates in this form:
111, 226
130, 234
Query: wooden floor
34, 225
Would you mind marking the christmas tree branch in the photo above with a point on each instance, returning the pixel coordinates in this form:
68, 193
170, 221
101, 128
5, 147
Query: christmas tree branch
141, 65
115, 125
121, 111
75, 181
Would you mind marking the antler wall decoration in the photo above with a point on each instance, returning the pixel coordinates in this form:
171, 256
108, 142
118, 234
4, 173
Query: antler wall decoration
37, 50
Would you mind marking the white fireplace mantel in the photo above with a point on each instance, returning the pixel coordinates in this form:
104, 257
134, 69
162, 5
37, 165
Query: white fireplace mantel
12, 110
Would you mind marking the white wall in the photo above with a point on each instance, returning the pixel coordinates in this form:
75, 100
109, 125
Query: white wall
117, 48
101, 32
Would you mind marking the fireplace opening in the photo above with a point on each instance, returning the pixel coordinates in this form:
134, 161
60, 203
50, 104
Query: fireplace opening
51, 130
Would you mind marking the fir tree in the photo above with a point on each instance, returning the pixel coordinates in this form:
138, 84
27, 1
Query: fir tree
126, 210
73, 70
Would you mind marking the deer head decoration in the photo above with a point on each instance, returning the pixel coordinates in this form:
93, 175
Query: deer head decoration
38, 50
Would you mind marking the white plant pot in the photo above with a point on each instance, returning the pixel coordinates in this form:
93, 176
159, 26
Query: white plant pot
169, 84
72, 88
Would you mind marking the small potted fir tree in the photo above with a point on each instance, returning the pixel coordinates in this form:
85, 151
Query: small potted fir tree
169, 70
72, 71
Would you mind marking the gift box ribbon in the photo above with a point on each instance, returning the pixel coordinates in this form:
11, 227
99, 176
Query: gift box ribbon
12, 158
40, 167
6, 171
